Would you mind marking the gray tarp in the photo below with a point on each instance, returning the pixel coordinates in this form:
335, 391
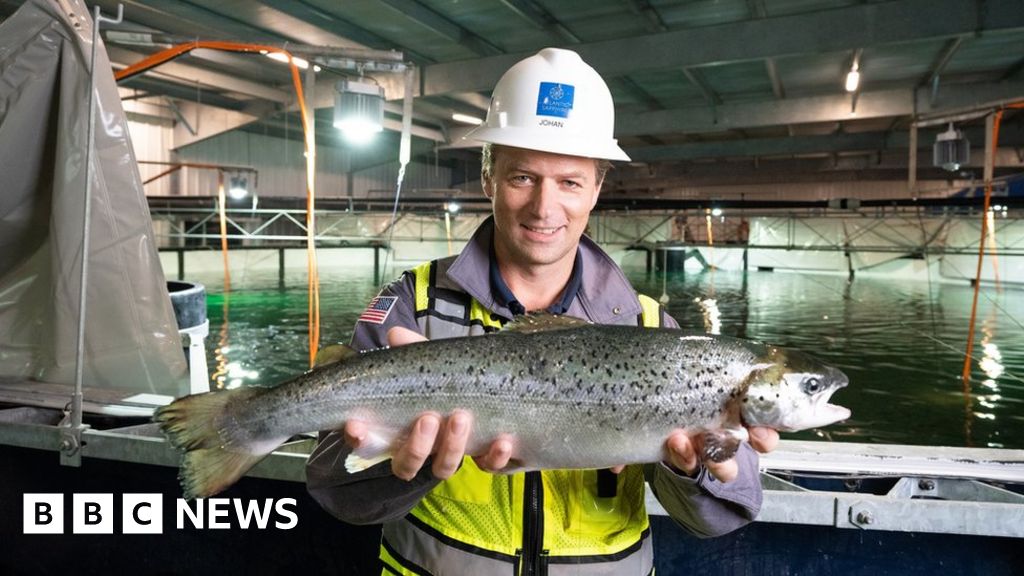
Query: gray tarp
131, 339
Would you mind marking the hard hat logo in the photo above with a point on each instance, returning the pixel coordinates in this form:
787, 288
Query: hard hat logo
526, 105
555, 99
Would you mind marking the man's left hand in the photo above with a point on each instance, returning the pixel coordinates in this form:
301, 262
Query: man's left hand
684, 450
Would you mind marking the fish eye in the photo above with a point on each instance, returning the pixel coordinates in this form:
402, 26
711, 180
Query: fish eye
812, 386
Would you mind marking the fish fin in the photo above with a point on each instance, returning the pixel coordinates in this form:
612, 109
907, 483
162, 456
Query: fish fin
515, 466
376, 448
193, 422
542, 322
207, 471
213, 459
333, 353
722, 444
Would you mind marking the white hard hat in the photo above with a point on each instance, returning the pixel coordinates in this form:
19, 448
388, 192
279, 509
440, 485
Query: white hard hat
555, 102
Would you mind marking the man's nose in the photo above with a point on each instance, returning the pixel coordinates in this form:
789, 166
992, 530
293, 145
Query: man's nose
544, 198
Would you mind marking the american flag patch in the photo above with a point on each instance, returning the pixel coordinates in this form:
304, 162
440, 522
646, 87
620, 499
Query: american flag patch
378, 310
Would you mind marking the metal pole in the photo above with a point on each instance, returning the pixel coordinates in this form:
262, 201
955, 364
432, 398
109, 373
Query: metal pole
72, 438
912, 162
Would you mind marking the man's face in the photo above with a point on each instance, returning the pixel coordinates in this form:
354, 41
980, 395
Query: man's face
542, 203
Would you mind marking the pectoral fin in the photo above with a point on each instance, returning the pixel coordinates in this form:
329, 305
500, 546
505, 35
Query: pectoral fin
375, 448
722, 444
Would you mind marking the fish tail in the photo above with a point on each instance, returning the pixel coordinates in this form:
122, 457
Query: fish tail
215, 457
207, 471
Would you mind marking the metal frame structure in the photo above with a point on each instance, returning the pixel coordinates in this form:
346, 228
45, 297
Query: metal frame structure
253, 227
968, 491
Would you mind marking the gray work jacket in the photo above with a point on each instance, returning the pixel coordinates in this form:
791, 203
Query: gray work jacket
701, 504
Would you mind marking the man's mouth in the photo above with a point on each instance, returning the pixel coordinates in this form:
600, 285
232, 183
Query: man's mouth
547, 231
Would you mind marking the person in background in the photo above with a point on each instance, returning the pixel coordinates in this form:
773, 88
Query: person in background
547, 146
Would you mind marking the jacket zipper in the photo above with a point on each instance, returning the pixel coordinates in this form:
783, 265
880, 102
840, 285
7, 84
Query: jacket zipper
533, 525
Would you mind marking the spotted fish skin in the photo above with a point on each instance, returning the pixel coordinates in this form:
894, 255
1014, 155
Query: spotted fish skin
585, 396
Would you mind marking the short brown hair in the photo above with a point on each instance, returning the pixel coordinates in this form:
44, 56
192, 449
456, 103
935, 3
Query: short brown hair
489, 152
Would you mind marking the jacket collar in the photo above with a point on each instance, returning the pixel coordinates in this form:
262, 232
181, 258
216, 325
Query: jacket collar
605, 295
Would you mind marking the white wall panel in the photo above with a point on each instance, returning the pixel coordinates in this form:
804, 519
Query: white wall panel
281, 165
152, 142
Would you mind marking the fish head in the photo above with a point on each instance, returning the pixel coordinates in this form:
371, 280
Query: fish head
790, 390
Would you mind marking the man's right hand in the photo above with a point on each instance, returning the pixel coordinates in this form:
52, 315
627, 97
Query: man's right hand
432, 434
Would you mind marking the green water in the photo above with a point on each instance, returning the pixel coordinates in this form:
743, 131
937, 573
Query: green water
900, 342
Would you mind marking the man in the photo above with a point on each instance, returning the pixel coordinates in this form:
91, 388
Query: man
548, 139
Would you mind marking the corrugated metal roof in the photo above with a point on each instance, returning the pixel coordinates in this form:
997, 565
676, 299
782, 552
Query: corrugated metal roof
684, 71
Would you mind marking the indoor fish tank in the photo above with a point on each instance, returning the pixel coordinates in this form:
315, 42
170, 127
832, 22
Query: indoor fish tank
900, 342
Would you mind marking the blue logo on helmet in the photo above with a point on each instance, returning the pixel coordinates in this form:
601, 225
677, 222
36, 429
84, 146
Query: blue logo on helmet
555, 99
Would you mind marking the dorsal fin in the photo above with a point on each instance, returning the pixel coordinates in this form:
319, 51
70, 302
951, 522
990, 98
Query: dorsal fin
333, 353
542, 322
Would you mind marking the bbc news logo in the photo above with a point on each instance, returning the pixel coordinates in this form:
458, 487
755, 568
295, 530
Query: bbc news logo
144, 514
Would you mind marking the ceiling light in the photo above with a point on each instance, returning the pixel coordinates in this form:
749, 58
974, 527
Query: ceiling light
281, 57
239, 188
467, 119
951, 150
452, 207
358, 109
853, 79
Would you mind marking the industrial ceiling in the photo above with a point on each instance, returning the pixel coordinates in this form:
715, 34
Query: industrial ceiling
754, 85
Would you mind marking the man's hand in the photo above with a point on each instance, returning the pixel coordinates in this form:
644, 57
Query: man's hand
445, 438
683, 451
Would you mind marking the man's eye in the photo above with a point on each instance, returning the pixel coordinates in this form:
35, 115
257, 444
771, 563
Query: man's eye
520, 179
572, 184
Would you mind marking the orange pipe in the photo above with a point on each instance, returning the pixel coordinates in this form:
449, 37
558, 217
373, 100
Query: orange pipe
221, 204
965, 375
314, 276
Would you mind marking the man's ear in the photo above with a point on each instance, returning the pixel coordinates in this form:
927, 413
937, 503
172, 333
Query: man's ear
488, 185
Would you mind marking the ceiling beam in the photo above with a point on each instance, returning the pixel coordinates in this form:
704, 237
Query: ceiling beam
813, 109
639, 93
538, 16
800, 145
651, 17
1013, 70
697, 79
945, 55
343, 28
190, 20
816, 32
440, 24
190, 75
773, 74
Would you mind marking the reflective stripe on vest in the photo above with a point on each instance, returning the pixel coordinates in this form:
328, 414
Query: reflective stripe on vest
435, 555
472, 523
650, 311
446, 313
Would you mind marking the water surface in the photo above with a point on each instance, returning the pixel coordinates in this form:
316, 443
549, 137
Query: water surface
900, 342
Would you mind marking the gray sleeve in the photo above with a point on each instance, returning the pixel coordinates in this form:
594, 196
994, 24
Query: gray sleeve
371, 335
704, 506
373, 495
369, 497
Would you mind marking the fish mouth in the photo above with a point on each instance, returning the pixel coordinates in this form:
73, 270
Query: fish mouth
826, 413
833, 413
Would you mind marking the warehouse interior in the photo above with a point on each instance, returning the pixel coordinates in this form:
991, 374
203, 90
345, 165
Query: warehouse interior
222, 194
731, 99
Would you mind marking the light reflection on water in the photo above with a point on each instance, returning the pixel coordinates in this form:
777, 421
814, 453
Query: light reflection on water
900, 342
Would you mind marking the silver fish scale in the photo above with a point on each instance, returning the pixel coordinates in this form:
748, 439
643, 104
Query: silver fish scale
583, 397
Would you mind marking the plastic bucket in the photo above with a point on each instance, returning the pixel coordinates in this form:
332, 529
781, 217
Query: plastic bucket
189, 302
